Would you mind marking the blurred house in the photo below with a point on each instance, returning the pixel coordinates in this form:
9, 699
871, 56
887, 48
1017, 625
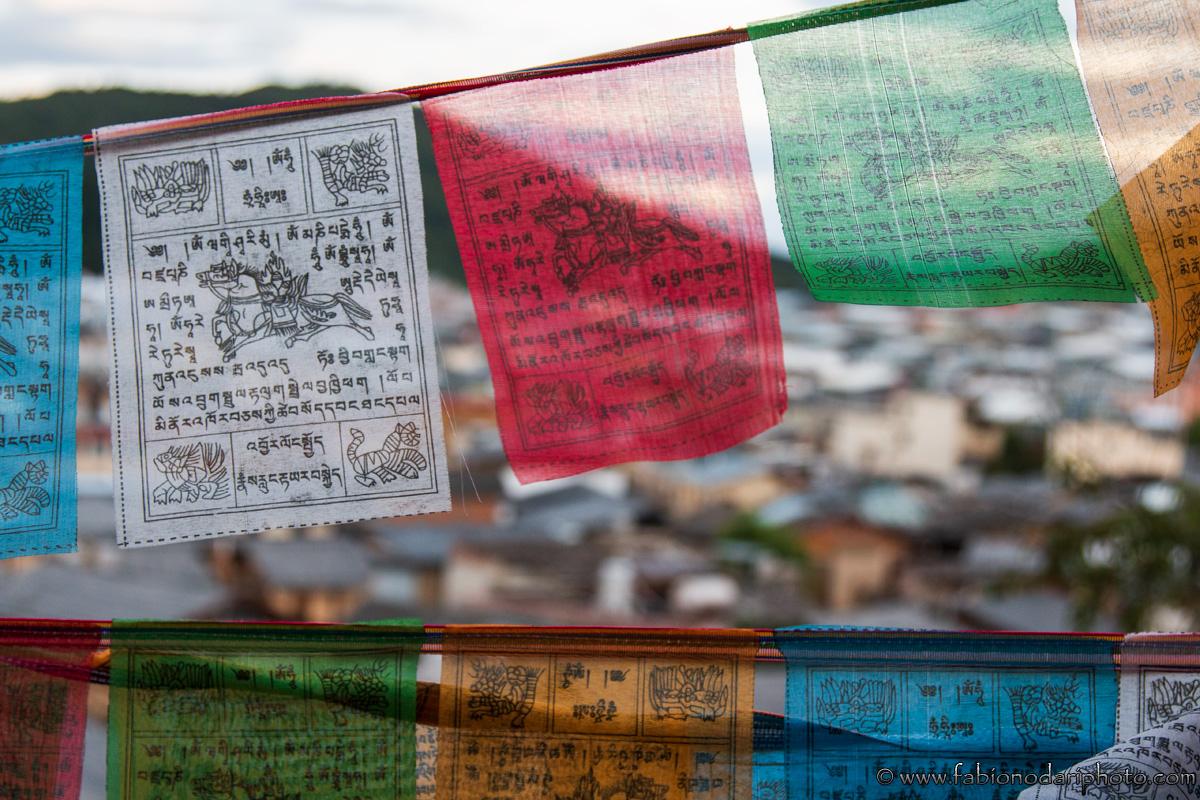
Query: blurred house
914, 436
307, 580
732, 478
1091, 451
853, 563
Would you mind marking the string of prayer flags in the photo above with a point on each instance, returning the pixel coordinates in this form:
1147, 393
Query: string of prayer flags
859, 701
616, 256
40, 273
44, 670
594, 713
262, 710
1142, 65
273, 348
910, 172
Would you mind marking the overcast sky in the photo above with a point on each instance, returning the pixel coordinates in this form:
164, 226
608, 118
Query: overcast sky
231, 45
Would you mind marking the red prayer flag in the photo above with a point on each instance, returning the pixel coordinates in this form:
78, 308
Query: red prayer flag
616, 256
44, 671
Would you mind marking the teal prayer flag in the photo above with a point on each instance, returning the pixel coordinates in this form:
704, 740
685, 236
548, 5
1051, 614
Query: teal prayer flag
879, 714
940, 154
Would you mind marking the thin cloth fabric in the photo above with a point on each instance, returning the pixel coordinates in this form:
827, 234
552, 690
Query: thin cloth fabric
40, 269
867, 708
910, 172
1160, 680
272, 339
44, 671
1162, 763
1142, 65
657, 714
220, 710
616, 256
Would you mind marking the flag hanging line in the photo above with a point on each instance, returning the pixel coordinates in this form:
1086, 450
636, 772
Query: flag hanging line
296, 108
96, 671
594, 63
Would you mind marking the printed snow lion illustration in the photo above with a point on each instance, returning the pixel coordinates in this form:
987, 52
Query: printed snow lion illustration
195, 472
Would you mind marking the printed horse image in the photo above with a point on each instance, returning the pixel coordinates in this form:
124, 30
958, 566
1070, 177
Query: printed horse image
270, 302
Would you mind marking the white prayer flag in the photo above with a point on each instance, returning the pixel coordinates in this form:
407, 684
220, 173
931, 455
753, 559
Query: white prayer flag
272, 343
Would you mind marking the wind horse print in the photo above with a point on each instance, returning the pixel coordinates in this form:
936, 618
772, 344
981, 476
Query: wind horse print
912, 173
279, 370
617, 260
40, 269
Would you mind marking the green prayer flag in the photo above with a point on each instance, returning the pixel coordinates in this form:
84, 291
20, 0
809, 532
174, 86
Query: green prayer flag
218, 711
940, 154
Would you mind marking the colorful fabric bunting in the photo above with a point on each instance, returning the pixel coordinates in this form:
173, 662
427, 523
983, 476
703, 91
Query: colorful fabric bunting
224, 710
910, 172
40, 268
653, 714
1142, 64
861, 702
615, 251
274, 362
44, 671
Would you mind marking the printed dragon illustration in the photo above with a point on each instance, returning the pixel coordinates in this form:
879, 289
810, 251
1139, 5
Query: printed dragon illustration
24, 493
355, 690
176, 188
1046, 711
933, 155
499, 691
26, 209
355, 167
268, 302
1075, 260
191, 473
604, 232
730, 368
